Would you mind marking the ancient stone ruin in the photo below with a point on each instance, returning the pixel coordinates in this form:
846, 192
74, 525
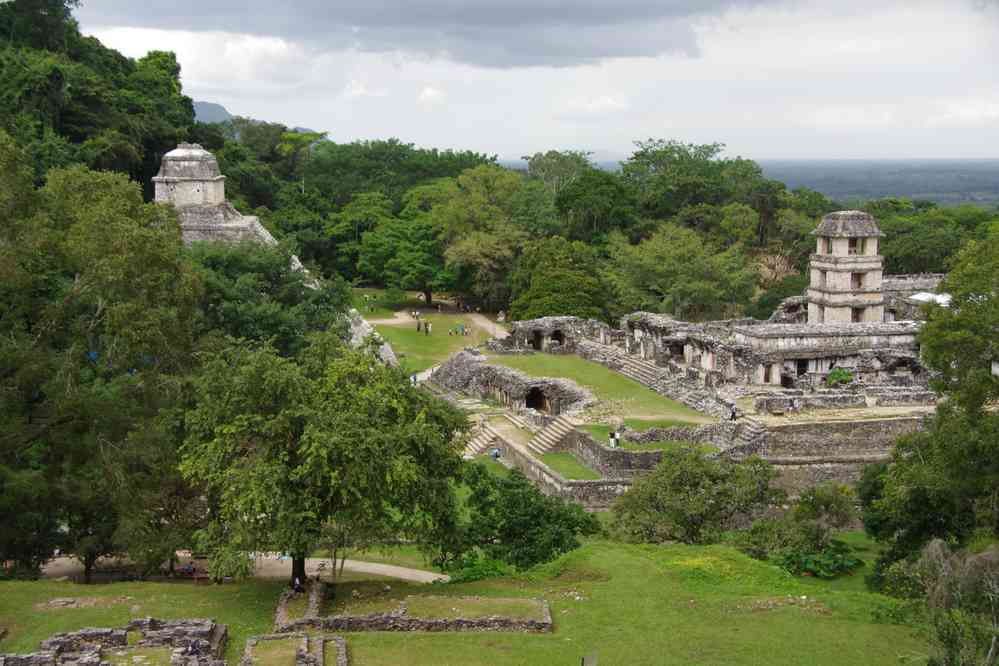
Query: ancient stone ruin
191, 642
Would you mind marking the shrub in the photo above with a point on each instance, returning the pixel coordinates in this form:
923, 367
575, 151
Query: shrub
802, 541
513, 522
692, 498
827, 561
480, 569
392, 298
838, 376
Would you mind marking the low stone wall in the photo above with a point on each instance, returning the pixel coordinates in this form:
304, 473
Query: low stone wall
303, 656
888, 397
316, 591
837, 440
615, 463
398, 620
796, 478
783, 404
594, 495
194, 643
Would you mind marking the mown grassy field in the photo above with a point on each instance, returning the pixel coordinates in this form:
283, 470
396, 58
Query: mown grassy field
622, 395
419, 351
372, 311
628, 604
569, 466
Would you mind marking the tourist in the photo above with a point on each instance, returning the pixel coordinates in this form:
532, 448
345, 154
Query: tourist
298, 586
417, 325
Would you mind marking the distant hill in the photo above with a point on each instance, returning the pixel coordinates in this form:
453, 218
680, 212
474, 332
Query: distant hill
209, 112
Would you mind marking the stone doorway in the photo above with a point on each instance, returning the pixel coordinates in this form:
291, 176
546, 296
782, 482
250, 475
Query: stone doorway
536, 399
537, 340
559, 337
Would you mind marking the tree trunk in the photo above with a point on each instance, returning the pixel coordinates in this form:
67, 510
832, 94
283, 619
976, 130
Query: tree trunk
427, 296
297, 569
88, 569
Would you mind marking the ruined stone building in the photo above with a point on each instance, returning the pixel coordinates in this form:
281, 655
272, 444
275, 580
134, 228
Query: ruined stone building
190, 179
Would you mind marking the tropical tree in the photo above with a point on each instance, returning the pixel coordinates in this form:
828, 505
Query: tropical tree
284, 448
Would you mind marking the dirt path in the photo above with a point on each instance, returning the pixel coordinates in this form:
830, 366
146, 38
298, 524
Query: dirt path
272, 567
488, 325
397, 320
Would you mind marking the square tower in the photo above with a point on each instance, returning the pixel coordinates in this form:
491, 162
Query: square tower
189, 176
846, 270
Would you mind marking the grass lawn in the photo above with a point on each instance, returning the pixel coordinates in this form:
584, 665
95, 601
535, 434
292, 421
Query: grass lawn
570, 467
159, 656
629, 604
297, 606
247, 607
276, 653
435, 607
626, 396
497, 469
419, 351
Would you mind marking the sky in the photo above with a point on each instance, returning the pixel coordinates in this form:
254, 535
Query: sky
770, 79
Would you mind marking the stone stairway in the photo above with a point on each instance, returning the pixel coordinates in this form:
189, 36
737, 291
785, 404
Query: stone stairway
550, 436
519, 421
480, 441
752, 435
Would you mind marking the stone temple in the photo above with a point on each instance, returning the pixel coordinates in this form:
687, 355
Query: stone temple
768, 385
190, 179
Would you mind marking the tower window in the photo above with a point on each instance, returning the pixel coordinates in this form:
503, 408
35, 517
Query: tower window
857, 280
854, 246
828, 245
822, 279
857, 315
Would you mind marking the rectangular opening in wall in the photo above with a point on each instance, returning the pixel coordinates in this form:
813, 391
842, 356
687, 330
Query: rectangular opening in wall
828, 245
822, 314
801, 367
854, 247
857, 280
823, 276
766, 374
857, 315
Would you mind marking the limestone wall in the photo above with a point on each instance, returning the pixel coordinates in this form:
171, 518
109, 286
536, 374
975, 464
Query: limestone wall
837, 440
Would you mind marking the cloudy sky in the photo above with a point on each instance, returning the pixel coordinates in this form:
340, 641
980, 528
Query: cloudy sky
769, 78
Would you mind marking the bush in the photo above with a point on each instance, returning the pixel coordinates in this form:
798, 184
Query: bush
480, 569
900, 579
511, 521
392, 298
828, 561
692, 498
801, 542
838, 376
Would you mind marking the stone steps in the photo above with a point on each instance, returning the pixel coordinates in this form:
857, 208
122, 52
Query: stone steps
551, 435
519, 421
480, 441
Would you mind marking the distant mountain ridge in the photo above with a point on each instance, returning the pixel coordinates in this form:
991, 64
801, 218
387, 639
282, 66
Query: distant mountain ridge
210, 112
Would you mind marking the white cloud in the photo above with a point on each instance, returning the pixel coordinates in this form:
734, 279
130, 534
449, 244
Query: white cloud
905, 78
431, 96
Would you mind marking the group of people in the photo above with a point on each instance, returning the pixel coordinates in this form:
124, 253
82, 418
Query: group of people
460, 330
425, 326
615, 439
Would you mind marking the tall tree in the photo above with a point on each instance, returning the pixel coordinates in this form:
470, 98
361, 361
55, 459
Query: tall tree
284, 448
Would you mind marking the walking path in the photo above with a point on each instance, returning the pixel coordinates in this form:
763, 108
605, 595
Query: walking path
272, 567
398, 319
487, 324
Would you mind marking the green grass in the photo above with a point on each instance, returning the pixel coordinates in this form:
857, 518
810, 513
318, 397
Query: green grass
247, 607
158, 656
497, 469
297, 606
434, 607
627, 397
675, 604
630, 604
570, 467
419, 351
276, 653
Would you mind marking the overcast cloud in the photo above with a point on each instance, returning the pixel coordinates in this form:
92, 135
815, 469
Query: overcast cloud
770, 78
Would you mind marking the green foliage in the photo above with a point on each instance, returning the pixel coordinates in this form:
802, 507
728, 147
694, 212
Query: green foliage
511, 521
676, 272
253, 293
767, 302
838, 377
802, 541
558, 277
480, 568
692, 498
283, 447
